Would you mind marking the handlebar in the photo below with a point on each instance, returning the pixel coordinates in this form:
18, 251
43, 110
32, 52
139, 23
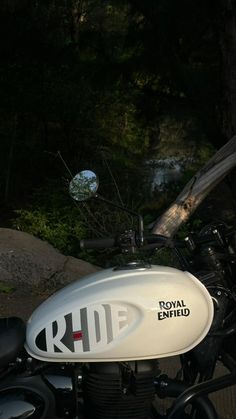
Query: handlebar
129, 243
104, 243
127, 239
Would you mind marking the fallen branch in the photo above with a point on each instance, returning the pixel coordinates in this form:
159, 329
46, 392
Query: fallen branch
197, 189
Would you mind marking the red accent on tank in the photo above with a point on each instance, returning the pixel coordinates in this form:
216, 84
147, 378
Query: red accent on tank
78, 335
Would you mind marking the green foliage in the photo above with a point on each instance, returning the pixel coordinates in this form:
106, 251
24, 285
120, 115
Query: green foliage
194, 225
54, 219
164, 257
109, 83
6, 288
46, 226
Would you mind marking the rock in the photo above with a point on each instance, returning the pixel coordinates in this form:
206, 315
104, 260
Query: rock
5, 275
25, 259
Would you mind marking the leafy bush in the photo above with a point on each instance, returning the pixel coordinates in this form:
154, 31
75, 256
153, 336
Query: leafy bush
53, 218
61, 229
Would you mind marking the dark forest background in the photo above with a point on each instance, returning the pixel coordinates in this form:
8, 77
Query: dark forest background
110, 86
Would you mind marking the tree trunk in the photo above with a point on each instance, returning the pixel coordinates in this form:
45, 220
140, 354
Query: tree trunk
197, 189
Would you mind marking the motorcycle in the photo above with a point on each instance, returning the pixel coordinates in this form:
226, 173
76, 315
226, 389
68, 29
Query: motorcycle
91, 350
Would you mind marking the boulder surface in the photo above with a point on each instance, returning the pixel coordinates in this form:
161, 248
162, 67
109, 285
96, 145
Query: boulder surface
31, 270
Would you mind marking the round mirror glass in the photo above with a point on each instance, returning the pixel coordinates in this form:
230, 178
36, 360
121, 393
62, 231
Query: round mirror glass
84, 185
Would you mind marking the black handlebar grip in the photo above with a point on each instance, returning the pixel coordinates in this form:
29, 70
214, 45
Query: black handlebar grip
155, 238
104, 243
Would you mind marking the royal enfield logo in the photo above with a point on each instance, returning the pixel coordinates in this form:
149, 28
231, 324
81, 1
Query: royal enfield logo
176, 308
87, 329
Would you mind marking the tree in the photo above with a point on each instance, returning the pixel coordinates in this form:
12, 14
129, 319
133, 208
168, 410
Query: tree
197, 189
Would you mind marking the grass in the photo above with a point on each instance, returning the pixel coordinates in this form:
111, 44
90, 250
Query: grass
5, 288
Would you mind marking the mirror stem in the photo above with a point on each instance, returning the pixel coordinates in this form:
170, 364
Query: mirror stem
140, 218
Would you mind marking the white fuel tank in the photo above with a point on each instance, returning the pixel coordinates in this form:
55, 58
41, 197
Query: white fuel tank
127, 314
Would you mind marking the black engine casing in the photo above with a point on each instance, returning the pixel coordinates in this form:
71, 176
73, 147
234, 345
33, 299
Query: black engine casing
119, 390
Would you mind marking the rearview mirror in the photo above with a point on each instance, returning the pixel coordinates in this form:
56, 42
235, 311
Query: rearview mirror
84, 185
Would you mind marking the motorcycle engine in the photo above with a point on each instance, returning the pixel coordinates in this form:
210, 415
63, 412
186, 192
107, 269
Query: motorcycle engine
119, 390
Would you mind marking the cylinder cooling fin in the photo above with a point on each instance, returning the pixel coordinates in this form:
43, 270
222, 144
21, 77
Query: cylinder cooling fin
119, 390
